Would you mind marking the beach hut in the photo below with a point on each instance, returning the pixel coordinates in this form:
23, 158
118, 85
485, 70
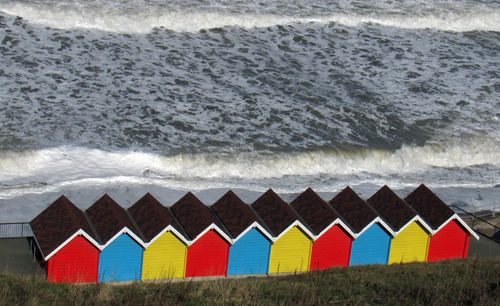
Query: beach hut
332, 238
166, 246
122, 247
250, 251
67, 243
291, 250
411, 233
208, 249
451, 234
373, 236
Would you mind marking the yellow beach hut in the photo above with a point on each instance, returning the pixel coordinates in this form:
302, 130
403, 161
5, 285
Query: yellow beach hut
292, 240
411, 233
166, 246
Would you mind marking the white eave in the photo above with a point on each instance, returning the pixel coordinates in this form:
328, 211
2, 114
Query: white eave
459, 220
211, 227
169, 228
335, 222
421, 221
79, 232
256, 225
127, 231
381, 222
298, 224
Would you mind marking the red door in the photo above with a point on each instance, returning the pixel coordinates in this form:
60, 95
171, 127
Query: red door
76, 262
332, 249
452, 241
208, 256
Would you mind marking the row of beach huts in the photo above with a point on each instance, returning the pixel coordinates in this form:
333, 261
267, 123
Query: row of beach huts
189, 239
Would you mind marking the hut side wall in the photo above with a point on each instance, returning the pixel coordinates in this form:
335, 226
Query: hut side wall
121, 260
76, 262
250, 254
371, 247
291, 253
410, 245
208, 256
452, 241
332, 249
165, 258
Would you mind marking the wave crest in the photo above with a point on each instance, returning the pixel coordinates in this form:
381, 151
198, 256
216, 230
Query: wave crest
144, 22
76, 163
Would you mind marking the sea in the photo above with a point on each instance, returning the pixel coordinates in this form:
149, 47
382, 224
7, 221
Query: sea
168, 96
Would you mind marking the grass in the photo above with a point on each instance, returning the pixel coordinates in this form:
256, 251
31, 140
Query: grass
468, 281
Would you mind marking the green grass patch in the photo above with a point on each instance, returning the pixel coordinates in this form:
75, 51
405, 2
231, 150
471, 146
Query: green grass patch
468, 281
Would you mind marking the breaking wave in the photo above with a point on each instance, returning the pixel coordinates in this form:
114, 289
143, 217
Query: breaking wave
192, 21
75, 163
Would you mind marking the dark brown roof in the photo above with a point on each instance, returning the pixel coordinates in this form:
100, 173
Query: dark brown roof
314, 210
353, 209
434, 211
391, 208
193, 215
233, 213
274, 212
57, 223
109, 218
152, 217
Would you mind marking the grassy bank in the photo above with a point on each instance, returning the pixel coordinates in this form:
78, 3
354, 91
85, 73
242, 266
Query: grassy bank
471, 281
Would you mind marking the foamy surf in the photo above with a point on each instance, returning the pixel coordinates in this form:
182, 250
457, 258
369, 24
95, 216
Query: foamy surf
75, 166
142, 22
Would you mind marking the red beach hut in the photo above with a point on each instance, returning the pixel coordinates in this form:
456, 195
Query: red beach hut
332, 238
67, 243
208, 249
451, 234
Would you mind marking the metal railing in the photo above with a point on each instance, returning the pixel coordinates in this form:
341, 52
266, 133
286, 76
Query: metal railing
15, 230
478, 223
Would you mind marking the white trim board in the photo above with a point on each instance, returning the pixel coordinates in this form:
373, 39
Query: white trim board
381, 222
124, 230
211, 227
169, 228
462, 222
77, 233
256, 225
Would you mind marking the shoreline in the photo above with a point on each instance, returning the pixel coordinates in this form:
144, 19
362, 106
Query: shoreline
25, 207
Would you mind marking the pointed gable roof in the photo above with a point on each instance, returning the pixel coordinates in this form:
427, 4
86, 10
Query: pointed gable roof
391, 208
434, 211
234, 213
57, 223
109, 218
353, 209
152, 217
314, 210
274, 212
193, 215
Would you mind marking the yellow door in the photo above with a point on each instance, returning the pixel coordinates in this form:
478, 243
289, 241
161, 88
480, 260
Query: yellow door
410, 245
291, 253
165, 258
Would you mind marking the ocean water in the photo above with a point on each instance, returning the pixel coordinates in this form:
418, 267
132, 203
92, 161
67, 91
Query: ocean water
129, 97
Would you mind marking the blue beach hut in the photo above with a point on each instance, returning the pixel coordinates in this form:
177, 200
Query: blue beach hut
250, 251
122, 249
373, 236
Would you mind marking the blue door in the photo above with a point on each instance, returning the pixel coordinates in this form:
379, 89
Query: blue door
250, 254
121, 260
371, 247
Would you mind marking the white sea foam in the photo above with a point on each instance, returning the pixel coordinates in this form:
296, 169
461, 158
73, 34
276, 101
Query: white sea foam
74, 165
192, 21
